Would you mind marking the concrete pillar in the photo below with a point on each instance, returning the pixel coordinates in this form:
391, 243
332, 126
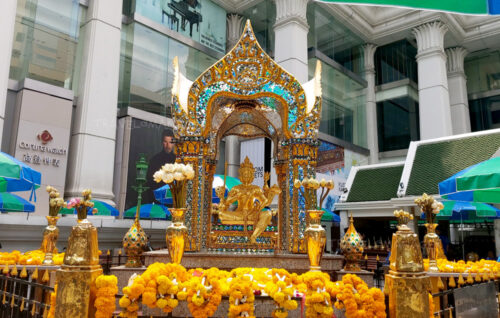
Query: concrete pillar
232, 156
7, 22
497, 236
234, 29
371, 103
92, 145
434, 101
457, 87
290, 33
344, 222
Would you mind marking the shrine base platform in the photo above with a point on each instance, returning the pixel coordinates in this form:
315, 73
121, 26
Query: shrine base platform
294, 263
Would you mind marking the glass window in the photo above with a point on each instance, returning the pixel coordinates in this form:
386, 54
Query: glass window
263, 16
146, 72
333, 38
483, 72
485, 113
45, 41
343, 112
398, 123
201, 20
396, 61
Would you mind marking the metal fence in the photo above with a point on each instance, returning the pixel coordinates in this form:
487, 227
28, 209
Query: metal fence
25, 297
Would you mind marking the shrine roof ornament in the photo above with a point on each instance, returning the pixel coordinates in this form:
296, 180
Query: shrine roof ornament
246, 74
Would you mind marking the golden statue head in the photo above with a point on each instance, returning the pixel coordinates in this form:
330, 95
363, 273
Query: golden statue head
246, 171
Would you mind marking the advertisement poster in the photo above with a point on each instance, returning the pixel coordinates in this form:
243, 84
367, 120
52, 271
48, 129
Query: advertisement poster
154, 141
201, 20
255, 151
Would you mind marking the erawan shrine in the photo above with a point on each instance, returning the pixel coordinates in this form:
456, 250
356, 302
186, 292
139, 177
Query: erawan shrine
255, 251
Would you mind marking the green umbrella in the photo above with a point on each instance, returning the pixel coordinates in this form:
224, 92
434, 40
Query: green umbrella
478, 183
149, 211
12, 203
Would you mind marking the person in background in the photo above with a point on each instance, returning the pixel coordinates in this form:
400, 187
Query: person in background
444, 240
166, 155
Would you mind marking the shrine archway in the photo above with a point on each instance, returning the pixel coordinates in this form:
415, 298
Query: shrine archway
247, 94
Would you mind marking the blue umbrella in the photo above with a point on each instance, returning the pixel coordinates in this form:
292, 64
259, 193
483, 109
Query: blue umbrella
149, 211
17, 176
330, 216
12, 203
478, 183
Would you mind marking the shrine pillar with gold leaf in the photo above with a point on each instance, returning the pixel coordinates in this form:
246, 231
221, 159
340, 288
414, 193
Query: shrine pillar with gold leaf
407, 285
76, 277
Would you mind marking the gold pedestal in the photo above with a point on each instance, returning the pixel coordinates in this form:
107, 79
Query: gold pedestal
408, 295
50, 236
76, 278
76, 291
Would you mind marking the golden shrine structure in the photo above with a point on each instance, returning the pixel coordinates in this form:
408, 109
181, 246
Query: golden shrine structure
249, 95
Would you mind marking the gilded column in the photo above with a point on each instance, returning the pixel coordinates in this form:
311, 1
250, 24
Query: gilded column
457, 85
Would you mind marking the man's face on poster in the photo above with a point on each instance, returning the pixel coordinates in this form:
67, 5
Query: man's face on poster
168, 146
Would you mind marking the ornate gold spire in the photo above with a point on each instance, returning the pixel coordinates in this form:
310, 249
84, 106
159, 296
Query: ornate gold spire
352, 247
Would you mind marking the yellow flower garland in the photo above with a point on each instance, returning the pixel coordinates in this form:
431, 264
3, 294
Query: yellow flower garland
204, 293
53, 296
241, 297
280, 288
105, 302
318, 302
34, 257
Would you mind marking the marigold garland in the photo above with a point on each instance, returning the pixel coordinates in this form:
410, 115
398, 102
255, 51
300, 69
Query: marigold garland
204, 292
105, 302
353, 295
241, 297
34, 257
281, 289
53, 296
318, 302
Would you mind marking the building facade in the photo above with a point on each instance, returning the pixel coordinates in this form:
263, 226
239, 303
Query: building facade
97, 75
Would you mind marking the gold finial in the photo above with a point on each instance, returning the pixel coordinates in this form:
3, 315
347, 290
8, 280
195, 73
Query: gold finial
352, 247
246, 164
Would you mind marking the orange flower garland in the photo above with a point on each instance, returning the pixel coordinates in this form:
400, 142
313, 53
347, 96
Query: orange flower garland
105, 297
280, 288
359, 301
241, 297
53, 296
318, 302
204, 293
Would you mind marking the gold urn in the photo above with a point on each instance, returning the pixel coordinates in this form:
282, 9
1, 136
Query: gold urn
352, 248
176, 235
315, 239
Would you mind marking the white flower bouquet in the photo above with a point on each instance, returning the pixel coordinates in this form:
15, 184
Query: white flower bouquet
175, 175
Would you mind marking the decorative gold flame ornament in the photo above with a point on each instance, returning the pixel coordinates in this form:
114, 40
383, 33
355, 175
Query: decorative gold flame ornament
134, 243
352, 248
51, 232
176, 235
76, 277
314, 234
407, 284
432, 242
